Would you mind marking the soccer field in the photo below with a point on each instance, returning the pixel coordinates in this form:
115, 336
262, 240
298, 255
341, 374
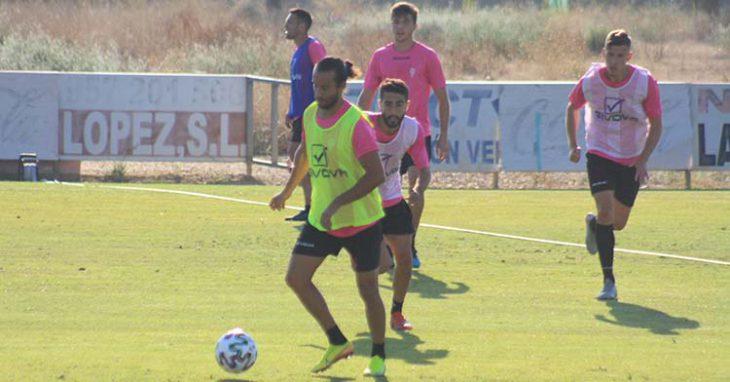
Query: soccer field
99, 283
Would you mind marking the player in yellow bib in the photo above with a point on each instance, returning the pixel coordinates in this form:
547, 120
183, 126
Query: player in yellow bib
340, 153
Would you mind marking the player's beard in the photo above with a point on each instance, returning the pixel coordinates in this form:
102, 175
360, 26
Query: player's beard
392, 121
327, 103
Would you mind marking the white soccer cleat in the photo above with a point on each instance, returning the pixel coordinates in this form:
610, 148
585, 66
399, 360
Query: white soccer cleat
609, 291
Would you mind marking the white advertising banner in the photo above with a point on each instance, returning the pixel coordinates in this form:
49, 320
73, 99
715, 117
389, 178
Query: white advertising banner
152, 117
711, 111
28, 115
473, 125
534, 136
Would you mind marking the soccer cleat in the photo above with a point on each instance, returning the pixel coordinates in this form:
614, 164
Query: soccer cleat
415, 262
376, 368
300, 217
399, 323
591, 244
333, 354
609, 291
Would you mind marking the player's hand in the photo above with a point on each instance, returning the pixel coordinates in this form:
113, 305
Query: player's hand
575, 154
326, 219
288, 122
415, 198
278, 202
642, 175
442, 147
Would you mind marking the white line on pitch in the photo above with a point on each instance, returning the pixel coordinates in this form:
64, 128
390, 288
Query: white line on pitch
446, 228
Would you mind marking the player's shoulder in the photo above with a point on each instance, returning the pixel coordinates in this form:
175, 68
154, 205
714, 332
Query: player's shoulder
642, 70
385, 49
410, 125
423, 48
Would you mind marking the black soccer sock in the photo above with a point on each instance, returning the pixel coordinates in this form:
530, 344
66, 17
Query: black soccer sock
397, 307
379, 350
306, 208
606, 242
335, 336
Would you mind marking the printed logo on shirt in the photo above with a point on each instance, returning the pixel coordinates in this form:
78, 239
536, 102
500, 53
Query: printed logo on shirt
319, 156
412, 72
385, 158
296, 77
319, 164
612, 111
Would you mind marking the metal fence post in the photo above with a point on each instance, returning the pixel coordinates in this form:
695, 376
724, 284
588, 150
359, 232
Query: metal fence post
274, 124
249, 126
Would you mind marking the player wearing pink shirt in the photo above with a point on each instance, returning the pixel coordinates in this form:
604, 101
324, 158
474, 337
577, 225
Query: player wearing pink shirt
420, 68
340, 152
623, 120
397, 135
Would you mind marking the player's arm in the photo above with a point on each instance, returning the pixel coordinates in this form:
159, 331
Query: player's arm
655, 133
442, 147
301, 167
417, 151
365, 100
571, 126
370, 85
373, 177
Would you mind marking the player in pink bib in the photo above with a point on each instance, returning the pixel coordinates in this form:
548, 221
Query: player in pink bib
398, 134
623, 120
420, 68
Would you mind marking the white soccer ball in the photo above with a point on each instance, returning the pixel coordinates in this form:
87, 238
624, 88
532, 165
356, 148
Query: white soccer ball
236, 351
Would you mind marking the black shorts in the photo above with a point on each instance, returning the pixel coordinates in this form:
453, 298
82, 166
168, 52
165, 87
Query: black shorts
605, 174
407, 161
296, 130
363, 246
398, 220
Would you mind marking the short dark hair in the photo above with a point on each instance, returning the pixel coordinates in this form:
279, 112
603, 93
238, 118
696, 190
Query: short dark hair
618, 37
343, 69
404, 8
303, 16
393, 85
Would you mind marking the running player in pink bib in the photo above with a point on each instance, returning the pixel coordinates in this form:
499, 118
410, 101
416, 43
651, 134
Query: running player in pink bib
397, 135
623, 120
420, 68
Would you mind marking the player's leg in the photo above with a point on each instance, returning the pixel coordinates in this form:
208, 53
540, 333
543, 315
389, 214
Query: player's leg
416, 208
627, 189
602, 178
386, 261
398, 233
364, 247
306, 184
309, 253
401, 246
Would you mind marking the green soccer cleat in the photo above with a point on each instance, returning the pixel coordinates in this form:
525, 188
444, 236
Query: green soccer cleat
333, 354
376, 368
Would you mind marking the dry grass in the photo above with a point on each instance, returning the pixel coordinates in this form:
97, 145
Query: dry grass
501, 43
245, 36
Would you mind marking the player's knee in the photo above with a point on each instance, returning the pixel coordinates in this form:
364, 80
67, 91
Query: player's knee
295, 282
605, 216
618, 226
368, 286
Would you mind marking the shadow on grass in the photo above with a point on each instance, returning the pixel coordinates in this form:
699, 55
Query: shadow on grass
332, 379
235, 380
428, 287
405, 348
637, 316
